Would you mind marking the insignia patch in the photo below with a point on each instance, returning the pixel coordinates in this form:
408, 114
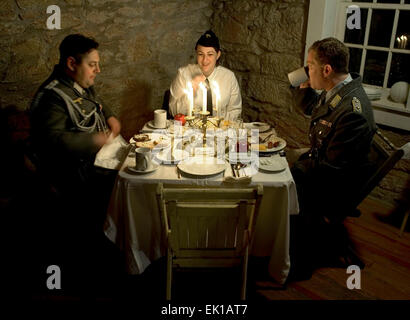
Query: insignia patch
78, 100
208, 35
357, 106
335, 101
325, 123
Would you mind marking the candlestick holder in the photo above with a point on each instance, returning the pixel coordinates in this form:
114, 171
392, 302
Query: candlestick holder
204, 117
190, 120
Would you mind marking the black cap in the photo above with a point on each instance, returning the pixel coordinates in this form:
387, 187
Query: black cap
208, 39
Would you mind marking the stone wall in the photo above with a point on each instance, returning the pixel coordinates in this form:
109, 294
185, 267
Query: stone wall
142, 44
262, 42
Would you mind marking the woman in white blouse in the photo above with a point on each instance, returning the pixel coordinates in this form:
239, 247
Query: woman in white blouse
228, 104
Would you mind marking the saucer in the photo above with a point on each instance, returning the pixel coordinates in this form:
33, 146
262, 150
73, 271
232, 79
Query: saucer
151, 168
151, 124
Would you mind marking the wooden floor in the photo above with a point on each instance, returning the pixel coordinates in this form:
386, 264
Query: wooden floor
375, 234
386, 275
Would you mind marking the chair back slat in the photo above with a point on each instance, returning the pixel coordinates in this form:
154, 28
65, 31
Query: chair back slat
208, 227
383, 156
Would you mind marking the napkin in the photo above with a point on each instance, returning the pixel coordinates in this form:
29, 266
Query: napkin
243, 179
112, 154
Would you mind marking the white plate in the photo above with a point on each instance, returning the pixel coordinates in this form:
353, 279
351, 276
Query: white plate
165, 156
152, 125
282, 145
163, 141
241, 157
272, 164
261, 126
151, 168
202, 166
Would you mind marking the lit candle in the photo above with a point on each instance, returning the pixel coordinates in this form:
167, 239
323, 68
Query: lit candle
215, 90
190, 98
202, 86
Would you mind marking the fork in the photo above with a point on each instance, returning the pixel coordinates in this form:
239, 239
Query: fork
267, 137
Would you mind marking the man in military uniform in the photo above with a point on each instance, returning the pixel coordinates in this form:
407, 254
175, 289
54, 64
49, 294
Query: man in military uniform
341, 132
69, 125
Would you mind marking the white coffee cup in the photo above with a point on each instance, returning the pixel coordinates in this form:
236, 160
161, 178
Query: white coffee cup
297, 77
160, 118
143, 158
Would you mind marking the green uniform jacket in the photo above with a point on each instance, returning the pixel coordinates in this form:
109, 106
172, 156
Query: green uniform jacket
57, 141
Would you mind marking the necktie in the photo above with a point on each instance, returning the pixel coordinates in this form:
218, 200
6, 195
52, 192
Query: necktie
208, 97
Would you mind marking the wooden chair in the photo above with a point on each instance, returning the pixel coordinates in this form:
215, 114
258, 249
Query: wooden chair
208, 227
383, 155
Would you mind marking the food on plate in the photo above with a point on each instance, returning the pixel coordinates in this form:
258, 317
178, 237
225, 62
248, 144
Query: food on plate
141, 137
262, 147
226, 124
272, 144
146, 144
146, 141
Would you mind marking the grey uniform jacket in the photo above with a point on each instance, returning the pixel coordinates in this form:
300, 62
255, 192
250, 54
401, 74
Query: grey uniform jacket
341, 132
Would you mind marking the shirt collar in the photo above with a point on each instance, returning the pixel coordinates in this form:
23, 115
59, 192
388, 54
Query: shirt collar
78, 88
212, 75
337, 87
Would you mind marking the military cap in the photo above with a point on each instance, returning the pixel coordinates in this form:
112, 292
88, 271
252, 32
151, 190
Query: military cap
208, 39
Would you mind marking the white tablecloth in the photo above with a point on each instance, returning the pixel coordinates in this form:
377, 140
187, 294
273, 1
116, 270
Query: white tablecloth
133, 222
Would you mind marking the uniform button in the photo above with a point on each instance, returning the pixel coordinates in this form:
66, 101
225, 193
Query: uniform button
314, 123
310, 135
310, 155
320, 132
83, 111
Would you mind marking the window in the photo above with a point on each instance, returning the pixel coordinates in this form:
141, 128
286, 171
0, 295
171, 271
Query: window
379, 51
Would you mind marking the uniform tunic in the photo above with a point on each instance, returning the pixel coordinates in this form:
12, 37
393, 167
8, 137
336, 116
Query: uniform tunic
63, 122
337, 164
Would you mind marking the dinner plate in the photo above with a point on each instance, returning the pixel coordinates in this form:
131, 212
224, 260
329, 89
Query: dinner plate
202, 166
164, 156
282, 145
272, 164
162, 140
261, 126
185, 131
241, 157
151, 168
152, 125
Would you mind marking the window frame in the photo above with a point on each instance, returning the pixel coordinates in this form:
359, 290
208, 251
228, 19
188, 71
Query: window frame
340, 32
327, 18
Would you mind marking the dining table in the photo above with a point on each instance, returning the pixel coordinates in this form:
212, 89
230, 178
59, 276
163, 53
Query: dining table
134, 224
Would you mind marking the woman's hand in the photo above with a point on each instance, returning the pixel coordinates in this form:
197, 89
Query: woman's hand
197, 80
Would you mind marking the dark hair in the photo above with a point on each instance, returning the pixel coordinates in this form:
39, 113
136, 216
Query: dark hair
333, 52
76, 45
209, 39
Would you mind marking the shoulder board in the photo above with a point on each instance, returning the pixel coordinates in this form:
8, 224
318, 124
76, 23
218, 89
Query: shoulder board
357, 106
52, 84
